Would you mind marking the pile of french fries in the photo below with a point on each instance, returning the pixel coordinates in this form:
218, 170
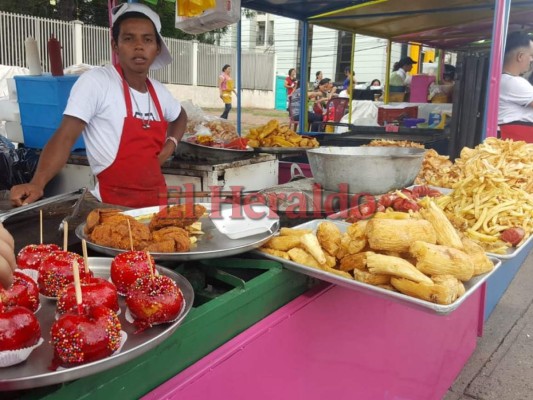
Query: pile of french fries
419, 254
275, 135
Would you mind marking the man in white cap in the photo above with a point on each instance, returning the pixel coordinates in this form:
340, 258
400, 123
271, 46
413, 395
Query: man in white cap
131, 124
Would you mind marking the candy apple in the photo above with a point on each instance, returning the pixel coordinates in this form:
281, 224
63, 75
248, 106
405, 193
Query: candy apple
55, 272
22, 292
95, 292
154, 300
81, 338
30, 256
127, 267
18, 328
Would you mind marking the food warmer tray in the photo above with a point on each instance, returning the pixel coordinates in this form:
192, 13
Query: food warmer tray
281, 150
212, 244
197, 152
34, 371
471, 286
512, 252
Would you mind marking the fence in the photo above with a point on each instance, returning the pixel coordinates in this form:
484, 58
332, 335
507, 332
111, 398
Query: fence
194, 63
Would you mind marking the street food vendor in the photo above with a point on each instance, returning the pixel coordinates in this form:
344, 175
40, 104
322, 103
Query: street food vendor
516, 93
131, 124
7, 257
399, 77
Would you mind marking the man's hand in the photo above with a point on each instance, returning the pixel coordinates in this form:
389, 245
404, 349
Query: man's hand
25, 194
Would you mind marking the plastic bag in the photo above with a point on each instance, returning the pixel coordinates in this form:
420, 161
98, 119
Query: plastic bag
17, 166
193, 8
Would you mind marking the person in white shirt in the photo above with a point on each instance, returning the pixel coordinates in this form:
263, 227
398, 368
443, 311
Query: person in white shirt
131, 124
516, 93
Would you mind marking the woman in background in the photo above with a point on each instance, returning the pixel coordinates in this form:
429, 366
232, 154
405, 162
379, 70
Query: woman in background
226, 87
7, 257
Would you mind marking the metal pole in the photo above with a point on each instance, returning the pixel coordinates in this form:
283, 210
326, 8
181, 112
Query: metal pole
239, 76
499, 35
387, 72
351, 86
302, 123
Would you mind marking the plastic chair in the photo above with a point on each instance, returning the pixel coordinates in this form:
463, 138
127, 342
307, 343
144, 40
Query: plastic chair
336, 108
517, 131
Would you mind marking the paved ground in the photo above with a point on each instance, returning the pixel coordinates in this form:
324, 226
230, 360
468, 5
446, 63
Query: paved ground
501, 367
251, 117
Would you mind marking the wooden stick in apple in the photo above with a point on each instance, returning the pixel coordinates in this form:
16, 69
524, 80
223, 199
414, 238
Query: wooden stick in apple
41, 226
85, 257
152, 266
65, 236
77, 286
131, 237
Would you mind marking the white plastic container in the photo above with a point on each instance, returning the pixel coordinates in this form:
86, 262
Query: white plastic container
225, 13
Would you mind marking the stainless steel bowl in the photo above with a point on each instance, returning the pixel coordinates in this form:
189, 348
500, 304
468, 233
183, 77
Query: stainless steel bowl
373, 170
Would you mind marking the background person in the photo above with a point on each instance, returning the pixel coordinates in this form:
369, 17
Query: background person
319, 77
350, 75
7, 257
130, 124
294, 109
516, 93
290, 85
226, 87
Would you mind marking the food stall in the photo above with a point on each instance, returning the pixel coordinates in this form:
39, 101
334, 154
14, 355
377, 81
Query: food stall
276, 331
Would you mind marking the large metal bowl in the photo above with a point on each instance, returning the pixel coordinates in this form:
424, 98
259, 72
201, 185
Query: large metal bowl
373, 170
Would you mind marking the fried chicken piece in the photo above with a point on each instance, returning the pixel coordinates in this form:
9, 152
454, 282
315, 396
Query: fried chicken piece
180, 216
97, 216
164, 246
179, 236
114, 232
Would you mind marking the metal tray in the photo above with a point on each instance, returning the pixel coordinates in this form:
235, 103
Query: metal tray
197, 152
34, 371
471, 286
211, 244
281, 150
512, 252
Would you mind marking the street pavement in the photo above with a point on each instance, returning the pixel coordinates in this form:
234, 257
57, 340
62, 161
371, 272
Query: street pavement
501, 368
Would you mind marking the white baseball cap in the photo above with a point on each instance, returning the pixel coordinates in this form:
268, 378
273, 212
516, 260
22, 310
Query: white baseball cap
164, 58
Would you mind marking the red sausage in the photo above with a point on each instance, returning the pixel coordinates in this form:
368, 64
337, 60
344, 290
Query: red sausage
513, 235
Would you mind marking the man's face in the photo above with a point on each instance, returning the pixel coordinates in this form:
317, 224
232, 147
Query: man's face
408, 67
137, 45
524, 58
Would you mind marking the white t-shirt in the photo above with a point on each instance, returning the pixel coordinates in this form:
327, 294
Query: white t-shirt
97, 98
516, 93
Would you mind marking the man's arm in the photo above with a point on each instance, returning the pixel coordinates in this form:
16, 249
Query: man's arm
176, 129
53, 157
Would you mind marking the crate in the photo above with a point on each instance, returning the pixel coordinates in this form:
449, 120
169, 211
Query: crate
42, 100
390, 115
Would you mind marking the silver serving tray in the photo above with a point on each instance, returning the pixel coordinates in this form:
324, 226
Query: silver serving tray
34, 371
471, 286
211, 244
197, 152
512, 252
281, 150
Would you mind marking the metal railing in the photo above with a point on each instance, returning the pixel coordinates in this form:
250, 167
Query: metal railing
258, 68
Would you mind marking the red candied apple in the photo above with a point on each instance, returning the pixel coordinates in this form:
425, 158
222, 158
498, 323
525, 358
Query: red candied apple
127, 267
18, 328
154, 300
82, 338
95, 292
55, 272
22, 292
31, 255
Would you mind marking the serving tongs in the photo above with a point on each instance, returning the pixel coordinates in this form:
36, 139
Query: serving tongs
41, 203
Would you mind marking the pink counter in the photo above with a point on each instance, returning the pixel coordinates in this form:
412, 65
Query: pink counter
340, 344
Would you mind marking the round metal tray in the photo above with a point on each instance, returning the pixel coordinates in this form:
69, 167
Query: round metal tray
211, 244
34, 371
197, 152
281, 150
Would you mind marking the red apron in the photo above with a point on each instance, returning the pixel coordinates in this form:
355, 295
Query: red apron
135, 179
